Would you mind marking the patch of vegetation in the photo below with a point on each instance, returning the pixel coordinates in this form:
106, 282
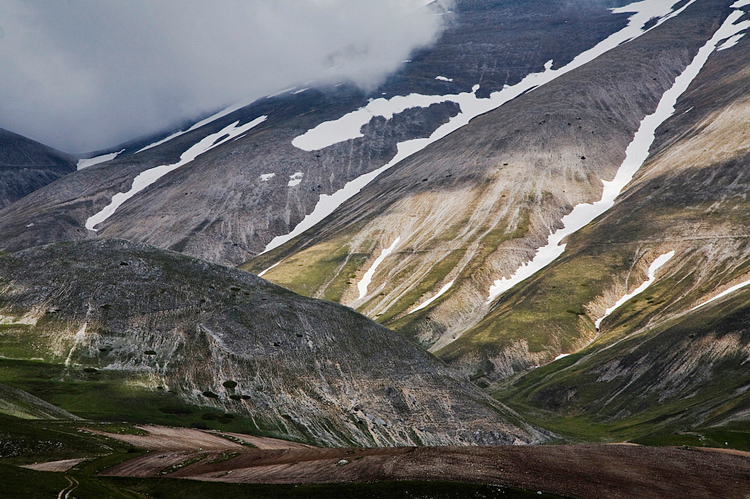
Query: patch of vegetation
224, 456
112, 396
429, 283
182, 464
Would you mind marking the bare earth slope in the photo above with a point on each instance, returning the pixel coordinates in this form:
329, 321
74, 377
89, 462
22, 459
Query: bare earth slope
585, 471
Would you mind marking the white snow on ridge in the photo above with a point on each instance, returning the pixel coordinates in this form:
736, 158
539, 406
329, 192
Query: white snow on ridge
196, 126
723, 294
731, 42
295, 179
85, 163
437, 295
367, 278
635, 156
652, 270
348, 126
269, 268
443, 78
148, 177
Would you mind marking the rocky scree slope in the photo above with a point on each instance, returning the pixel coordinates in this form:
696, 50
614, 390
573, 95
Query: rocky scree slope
678, 352
477, 205
224, 338
228, 204
690, 197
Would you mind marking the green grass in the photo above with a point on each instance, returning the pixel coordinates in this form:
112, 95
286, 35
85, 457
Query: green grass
115, 396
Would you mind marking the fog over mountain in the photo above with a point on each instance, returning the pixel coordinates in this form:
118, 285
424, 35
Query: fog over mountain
84, 74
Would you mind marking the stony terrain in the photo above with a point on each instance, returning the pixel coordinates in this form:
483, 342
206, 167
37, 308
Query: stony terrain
223, 338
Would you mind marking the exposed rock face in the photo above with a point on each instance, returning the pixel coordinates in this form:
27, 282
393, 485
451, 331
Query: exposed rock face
228, 339
476, 206
220, 208
26, 165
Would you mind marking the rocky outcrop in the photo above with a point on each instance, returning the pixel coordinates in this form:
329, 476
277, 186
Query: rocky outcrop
224, 338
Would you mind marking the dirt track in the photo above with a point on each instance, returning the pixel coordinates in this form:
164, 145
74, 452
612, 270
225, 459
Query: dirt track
586, 471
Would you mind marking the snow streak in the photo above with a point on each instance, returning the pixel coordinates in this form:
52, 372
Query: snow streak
148, 177
635, 156
349, 126
437, 295
652, 270
85, 163
367, 278
724, 293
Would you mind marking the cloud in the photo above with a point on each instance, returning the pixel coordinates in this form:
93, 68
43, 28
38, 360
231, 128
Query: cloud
87, 74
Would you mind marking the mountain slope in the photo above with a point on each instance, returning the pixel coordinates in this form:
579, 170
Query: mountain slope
223, 338
227, 204
688, 198
478, 204
26, 165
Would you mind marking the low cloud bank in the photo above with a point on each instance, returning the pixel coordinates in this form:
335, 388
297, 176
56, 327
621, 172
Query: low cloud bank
83, 75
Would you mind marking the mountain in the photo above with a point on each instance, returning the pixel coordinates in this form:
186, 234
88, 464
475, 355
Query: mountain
217, 337
27, 165
551, 201
477, 205
677, 351
233, 199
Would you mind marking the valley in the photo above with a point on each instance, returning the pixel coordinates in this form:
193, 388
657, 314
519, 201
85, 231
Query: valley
517, 267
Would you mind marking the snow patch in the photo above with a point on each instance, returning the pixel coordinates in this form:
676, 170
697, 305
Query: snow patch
85, 163
731, 42
443, 78
196, 126
723, 294
561, 356
437, 295
652, 270
281, 92
295, 179
269, 268
265, 177
635, 156
348, 126
367, 278
148, 177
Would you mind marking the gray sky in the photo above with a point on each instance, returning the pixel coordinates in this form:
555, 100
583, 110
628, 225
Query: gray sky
82, 75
